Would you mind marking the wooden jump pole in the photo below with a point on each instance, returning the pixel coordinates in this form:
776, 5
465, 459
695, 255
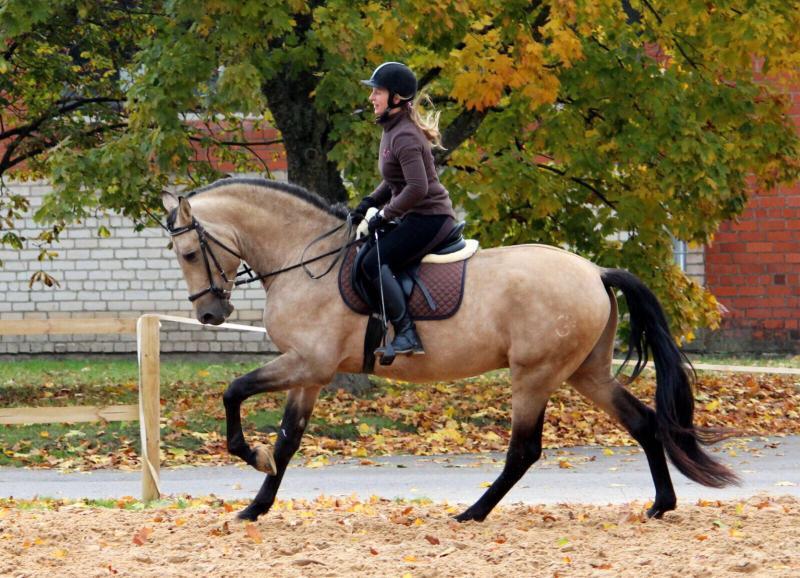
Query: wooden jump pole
148, 345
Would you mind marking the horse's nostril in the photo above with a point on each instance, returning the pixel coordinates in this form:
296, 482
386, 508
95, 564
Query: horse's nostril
207, 318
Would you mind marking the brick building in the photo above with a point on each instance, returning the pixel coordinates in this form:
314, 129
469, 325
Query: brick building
753, 268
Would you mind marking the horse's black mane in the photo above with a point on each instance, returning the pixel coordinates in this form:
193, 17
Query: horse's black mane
337, 210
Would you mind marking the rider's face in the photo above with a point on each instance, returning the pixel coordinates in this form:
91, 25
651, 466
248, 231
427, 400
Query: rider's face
379, 97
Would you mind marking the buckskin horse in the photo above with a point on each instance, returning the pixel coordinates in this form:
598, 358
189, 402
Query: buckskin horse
548, 315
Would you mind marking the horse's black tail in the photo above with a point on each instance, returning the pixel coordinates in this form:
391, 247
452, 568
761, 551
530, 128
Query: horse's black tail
674, 398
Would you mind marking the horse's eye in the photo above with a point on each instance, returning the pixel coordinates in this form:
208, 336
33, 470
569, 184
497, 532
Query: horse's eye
190, 256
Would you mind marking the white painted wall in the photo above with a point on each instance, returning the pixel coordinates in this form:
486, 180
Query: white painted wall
124, 275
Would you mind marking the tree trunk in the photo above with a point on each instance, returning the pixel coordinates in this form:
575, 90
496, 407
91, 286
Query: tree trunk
305, 137
305, 133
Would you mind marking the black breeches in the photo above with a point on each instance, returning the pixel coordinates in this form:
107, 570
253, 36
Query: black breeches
412, 239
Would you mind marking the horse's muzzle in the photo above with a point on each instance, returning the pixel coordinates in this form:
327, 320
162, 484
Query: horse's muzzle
215, 313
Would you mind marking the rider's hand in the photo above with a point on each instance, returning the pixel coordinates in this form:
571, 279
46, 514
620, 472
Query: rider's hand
375, 223
357, 214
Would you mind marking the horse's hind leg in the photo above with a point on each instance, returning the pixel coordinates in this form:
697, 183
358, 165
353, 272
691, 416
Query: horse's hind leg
528, 405
640, 421
594, 380
299, 405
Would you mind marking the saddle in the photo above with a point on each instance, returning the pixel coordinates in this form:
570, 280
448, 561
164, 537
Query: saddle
433, 286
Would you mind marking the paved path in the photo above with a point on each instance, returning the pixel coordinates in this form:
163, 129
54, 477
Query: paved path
590, 475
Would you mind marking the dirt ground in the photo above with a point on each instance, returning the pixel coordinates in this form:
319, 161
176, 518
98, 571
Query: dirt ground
375, 537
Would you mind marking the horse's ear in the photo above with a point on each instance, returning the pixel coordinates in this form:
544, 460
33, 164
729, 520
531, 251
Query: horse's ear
169, 200
184, 212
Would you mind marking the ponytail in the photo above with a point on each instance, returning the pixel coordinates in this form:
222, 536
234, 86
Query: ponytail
426, 121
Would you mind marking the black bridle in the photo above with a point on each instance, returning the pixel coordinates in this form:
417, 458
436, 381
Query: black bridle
205, 238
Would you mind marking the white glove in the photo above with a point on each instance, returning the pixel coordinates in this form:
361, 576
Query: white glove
363, 227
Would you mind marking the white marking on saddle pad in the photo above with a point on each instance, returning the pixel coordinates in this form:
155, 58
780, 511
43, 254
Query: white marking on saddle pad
465, 253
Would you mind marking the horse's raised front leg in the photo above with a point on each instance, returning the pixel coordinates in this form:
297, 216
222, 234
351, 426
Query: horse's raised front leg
299, 405
285, 372
525, 448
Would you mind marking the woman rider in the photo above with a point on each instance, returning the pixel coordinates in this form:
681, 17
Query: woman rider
410, 193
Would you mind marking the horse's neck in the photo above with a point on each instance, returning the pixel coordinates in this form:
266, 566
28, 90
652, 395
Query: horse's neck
272, 229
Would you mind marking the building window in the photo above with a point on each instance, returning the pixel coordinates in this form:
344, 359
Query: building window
679, 251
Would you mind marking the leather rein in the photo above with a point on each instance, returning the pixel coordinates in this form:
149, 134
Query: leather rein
205, 239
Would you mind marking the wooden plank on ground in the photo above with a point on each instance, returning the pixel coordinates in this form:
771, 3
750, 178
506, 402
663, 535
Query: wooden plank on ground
66, 326
730, 368
68, 414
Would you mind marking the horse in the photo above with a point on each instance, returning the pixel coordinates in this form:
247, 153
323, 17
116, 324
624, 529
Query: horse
547, 314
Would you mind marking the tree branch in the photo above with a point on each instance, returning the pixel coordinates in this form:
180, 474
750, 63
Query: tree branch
579, 181
463, 127
678, 45
237, 143
7, 162
428, 77
10, 50
653, 10
66, 106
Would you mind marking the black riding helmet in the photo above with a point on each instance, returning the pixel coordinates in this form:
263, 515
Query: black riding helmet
397, 78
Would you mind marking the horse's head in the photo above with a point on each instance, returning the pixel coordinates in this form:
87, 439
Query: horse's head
208, 258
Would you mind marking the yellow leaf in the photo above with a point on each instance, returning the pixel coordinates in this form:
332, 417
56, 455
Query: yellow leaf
486, 484
608, 452
142, 536
58, 553
409, 558
203, 373
712, 405
364, 429
318, 462
44, 434
252, 532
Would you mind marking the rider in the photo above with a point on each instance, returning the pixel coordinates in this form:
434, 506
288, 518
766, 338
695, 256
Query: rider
410, 193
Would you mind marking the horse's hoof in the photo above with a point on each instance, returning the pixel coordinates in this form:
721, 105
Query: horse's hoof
249, 514
263, 460
468, 515
657, 511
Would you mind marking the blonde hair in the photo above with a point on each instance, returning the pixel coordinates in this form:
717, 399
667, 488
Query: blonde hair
427, 121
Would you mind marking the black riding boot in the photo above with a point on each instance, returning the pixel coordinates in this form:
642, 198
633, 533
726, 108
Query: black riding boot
406, 340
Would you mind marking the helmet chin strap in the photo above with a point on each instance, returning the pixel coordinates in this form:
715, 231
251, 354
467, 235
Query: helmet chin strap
384, 116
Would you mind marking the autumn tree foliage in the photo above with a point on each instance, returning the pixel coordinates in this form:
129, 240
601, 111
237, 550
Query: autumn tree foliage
610, 127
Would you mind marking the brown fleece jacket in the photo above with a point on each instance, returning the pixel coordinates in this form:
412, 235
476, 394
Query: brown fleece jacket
410, 183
